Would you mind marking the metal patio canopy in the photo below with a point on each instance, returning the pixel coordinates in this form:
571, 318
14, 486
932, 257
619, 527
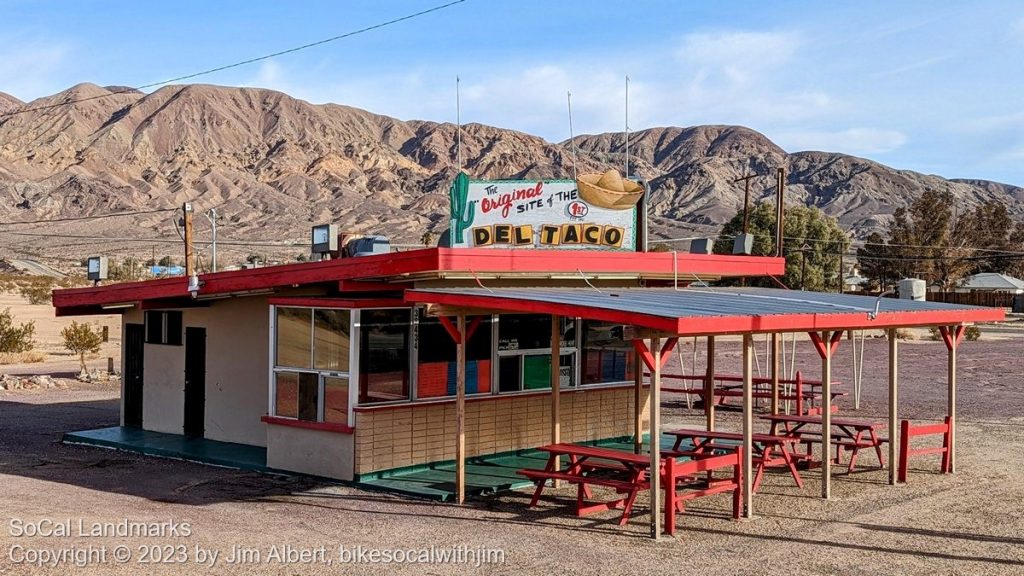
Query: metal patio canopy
713, 311
668, 313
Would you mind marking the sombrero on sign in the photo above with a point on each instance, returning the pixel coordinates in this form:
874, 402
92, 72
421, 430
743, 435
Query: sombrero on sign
609, 190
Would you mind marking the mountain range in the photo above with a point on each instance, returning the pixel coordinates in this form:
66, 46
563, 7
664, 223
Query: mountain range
273, 165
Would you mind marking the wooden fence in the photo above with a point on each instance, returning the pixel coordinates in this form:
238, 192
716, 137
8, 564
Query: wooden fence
991, 299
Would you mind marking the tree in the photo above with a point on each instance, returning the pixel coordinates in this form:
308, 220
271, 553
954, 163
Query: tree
82, 339
928, 241
15, 339
803, 225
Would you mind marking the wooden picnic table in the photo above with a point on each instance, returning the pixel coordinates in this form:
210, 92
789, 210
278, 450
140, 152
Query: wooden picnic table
628, 473
847, 433
770, 450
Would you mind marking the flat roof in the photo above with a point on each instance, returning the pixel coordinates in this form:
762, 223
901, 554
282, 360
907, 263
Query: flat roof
398, 270
708, 311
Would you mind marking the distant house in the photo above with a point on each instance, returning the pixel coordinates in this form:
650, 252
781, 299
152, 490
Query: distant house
993, 282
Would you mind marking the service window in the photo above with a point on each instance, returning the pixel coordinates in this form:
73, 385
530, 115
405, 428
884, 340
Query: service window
384, 355
311, 362
436, 368
605, 356
524, 352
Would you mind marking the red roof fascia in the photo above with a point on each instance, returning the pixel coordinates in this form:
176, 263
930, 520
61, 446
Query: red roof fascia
489, 260
399, 264
339, 302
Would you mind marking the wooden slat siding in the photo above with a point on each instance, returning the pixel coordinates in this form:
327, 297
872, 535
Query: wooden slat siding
410, 436
976, 298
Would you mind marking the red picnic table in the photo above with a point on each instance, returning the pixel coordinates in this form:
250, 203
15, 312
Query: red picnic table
770, 450
847, 433
627, 473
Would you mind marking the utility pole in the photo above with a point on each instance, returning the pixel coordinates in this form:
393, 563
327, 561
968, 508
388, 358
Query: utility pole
190, 267
780, 211
211, 215
746, 199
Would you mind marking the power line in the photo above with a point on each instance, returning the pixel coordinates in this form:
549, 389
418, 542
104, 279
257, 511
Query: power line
80, 218
237, 64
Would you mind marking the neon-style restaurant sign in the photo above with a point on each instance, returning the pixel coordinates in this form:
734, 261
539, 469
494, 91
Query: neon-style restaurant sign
534, 214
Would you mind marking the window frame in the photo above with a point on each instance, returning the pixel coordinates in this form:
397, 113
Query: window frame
275, 369
166, 336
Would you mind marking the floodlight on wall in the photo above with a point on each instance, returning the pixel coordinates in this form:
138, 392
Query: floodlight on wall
324, 239
701, 246
96, 268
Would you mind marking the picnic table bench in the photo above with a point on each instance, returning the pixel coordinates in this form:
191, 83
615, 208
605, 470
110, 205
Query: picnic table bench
770, 450
847, 433
628, 473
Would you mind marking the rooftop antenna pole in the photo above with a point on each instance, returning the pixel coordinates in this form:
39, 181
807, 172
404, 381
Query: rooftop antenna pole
626, 174
211, 215
458, 123
572, 139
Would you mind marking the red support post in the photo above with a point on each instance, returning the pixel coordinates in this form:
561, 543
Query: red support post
947, 440
451, 329
904, 451
799, 394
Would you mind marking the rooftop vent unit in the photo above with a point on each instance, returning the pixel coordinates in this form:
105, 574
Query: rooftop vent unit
96, 268
368, 245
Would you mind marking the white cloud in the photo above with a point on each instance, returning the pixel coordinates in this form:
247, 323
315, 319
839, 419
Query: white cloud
737, 57
850, 141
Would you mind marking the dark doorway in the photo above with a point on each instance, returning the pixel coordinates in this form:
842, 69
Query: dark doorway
134, 337
195, 381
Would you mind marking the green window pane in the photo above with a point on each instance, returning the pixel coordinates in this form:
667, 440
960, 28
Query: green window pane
536, 372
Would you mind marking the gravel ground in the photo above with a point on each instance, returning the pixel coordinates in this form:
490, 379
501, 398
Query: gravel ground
968, 523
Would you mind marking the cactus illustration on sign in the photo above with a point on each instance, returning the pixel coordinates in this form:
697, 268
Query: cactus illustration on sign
462, 209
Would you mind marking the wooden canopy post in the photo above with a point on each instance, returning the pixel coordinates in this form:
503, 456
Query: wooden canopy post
952, 335
709, 386
638, 403
775, 373
893, 413
826, 344
655, 358
556, 386
460, 411
654, 440
748, 426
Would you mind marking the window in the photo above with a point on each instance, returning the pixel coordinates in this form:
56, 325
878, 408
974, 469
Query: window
606, 356
163, 327
524, 352
384, 355
436, 368
311, 362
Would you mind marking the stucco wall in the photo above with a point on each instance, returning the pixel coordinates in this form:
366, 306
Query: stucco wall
316, 452
237, 333
419, 434
236, 372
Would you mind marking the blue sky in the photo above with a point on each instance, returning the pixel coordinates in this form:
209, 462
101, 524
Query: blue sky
935, 87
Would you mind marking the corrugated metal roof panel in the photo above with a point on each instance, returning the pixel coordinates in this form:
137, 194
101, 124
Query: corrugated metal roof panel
695, 304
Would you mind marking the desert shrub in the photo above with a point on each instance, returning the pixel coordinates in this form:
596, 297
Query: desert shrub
15, 339
31, 357
905, 334
82, 339
972, 333
37, 291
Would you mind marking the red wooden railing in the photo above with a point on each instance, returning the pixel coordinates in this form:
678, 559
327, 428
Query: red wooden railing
907, 432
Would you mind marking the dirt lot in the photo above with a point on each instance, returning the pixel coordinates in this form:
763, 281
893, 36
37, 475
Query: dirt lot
59, 362
968, 523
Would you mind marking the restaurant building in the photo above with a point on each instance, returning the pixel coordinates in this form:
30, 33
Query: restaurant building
531, 327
